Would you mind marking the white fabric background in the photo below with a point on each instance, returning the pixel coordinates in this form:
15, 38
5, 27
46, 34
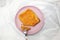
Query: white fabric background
50, 31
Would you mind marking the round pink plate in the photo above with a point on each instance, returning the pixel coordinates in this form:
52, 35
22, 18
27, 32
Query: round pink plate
35, 29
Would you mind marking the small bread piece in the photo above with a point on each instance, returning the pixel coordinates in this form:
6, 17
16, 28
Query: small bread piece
25, 28
29, 18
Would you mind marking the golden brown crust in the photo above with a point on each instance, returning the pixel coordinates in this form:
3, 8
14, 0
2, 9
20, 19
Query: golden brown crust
26, 28
29, 18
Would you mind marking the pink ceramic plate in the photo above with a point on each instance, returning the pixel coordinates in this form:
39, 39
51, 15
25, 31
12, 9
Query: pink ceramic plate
33, 29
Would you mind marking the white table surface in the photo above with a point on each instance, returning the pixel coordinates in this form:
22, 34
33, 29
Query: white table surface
50, 31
